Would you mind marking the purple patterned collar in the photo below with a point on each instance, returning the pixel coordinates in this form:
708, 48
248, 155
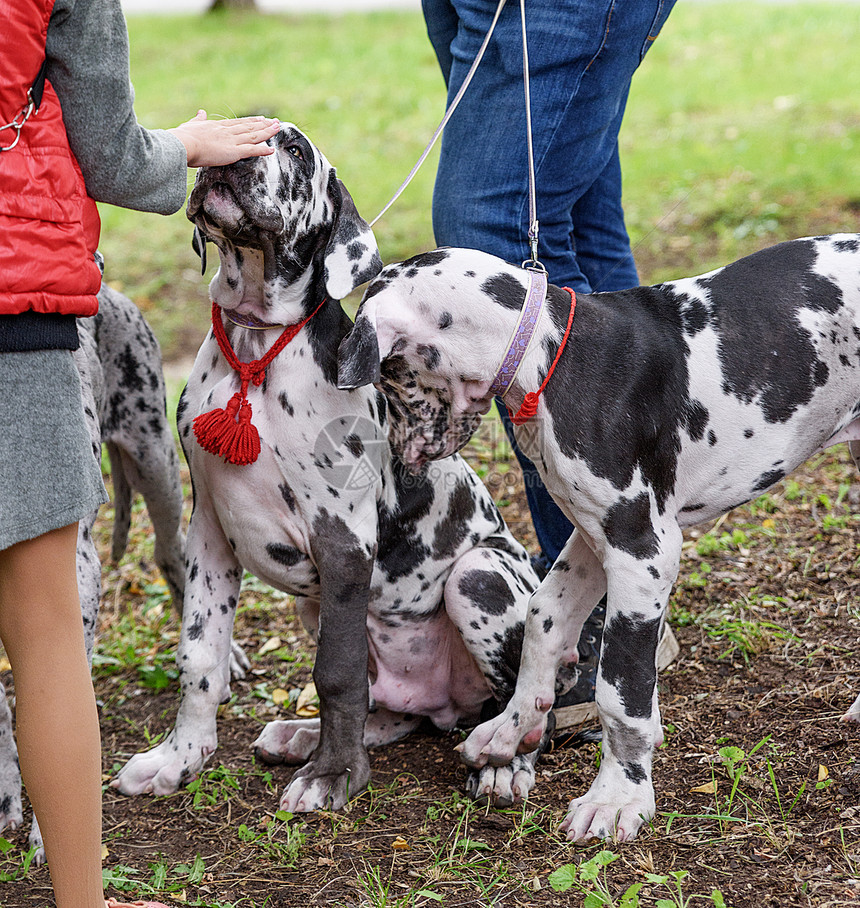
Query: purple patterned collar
522, 334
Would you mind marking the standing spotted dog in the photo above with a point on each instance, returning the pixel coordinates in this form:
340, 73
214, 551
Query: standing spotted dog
668, 406
412, 579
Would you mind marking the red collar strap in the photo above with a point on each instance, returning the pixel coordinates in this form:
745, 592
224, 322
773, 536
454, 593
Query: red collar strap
229, 432
530, 403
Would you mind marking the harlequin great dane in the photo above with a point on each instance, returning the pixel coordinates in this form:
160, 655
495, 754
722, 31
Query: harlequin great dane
668, 406
412, 579
123, 395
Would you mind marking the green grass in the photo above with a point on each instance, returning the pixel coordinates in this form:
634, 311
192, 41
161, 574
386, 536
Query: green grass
742, 129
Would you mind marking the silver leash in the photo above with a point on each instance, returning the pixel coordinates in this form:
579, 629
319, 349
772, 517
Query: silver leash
534, 225
533, 263
448, 113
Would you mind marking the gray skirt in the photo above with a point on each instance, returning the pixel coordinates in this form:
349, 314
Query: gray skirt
48, 475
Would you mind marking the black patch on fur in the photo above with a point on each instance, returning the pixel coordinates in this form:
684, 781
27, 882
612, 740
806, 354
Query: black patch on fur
401, 548
430, 354
287, 555
504, 662
628, 349
451, 531
627, 661
628, 527
506, 291
766, 355
487, 590
766, 480
287, 495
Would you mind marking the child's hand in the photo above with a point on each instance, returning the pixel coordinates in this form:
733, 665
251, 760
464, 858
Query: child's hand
215, 142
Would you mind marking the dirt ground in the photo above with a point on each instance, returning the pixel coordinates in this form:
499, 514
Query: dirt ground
770, 676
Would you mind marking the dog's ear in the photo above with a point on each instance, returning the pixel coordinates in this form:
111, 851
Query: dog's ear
358, 359
351, 255
198, 244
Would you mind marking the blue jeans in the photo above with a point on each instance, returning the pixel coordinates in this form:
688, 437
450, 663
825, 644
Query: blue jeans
582, 56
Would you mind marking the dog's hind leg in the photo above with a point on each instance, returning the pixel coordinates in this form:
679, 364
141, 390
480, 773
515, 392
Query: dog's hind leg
11, 814
486, 597
556, 613
122, 499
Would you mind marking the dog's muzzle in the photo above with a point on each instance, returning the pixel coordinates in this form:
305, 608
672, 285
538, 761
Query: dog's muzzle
221, 198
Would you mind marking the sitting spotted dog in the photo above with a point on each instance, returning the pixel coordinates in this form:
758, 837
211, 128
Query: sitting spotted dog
123, 395
412, 584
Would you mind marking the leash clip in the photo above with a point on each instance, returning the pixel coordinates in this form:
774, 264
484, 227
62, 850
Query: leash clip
534, 264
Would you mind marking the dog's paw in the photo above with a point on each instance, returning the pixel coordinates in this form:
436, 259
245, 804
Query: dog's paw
11, 811
314, 788
287, 741
499, 740
502, 786
853, 714
35, 842
163, 769
240, 664
594, 816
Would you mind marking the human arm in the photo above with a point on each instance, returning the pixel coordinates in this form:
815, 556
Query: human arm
123, 163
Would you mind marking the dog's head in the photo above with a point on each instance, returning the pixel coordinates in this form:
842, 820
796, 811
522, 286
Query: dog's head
276, 217
421, 336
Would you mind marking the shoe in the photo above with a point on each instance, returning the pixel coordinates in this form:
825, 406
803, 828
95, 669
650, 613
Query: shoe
577, 705
541, 565
113, 903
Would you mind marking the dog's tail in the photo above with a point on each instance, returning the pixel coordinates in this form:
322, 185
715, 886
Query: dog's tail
123, 494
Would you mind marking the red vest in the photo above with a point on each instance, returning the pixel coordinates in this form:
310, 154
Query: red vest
49, 226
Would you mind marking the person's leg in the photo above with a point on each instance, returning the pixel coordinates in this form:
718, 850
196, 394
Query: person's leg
56, 717
600, 236
582, 56
442, 22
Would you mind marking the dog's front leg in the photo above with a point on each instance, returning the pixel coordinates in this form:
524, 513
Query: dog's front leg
621, 798
554, 622
212, 582
339, 767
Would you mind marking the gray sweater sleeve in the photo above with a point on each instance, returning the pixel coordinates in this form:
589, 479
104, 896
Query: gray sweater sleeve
123, 163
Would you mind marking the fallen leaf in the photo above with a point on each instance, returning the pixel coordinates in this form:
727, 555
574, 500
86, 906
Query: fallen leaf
5, 665
105, 852
400, 844
708, 788
307, 705
279, 696
271, 644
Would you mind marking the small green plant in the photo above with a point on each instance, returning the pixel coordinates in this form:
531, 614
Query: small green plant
589, 878
280, 840
17, 868
162, 877
213, 786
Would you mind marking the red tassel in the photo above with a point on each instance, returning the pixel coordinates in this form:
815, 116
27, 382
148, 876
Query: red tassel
527, 410
244, 447
229, 432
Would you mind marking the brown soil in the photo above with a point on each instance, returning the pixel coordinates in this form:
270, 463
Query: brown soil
792, 572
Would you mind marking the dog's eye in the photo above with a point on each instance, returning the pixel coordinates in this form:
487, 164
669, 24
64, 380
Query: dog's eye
295, 151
